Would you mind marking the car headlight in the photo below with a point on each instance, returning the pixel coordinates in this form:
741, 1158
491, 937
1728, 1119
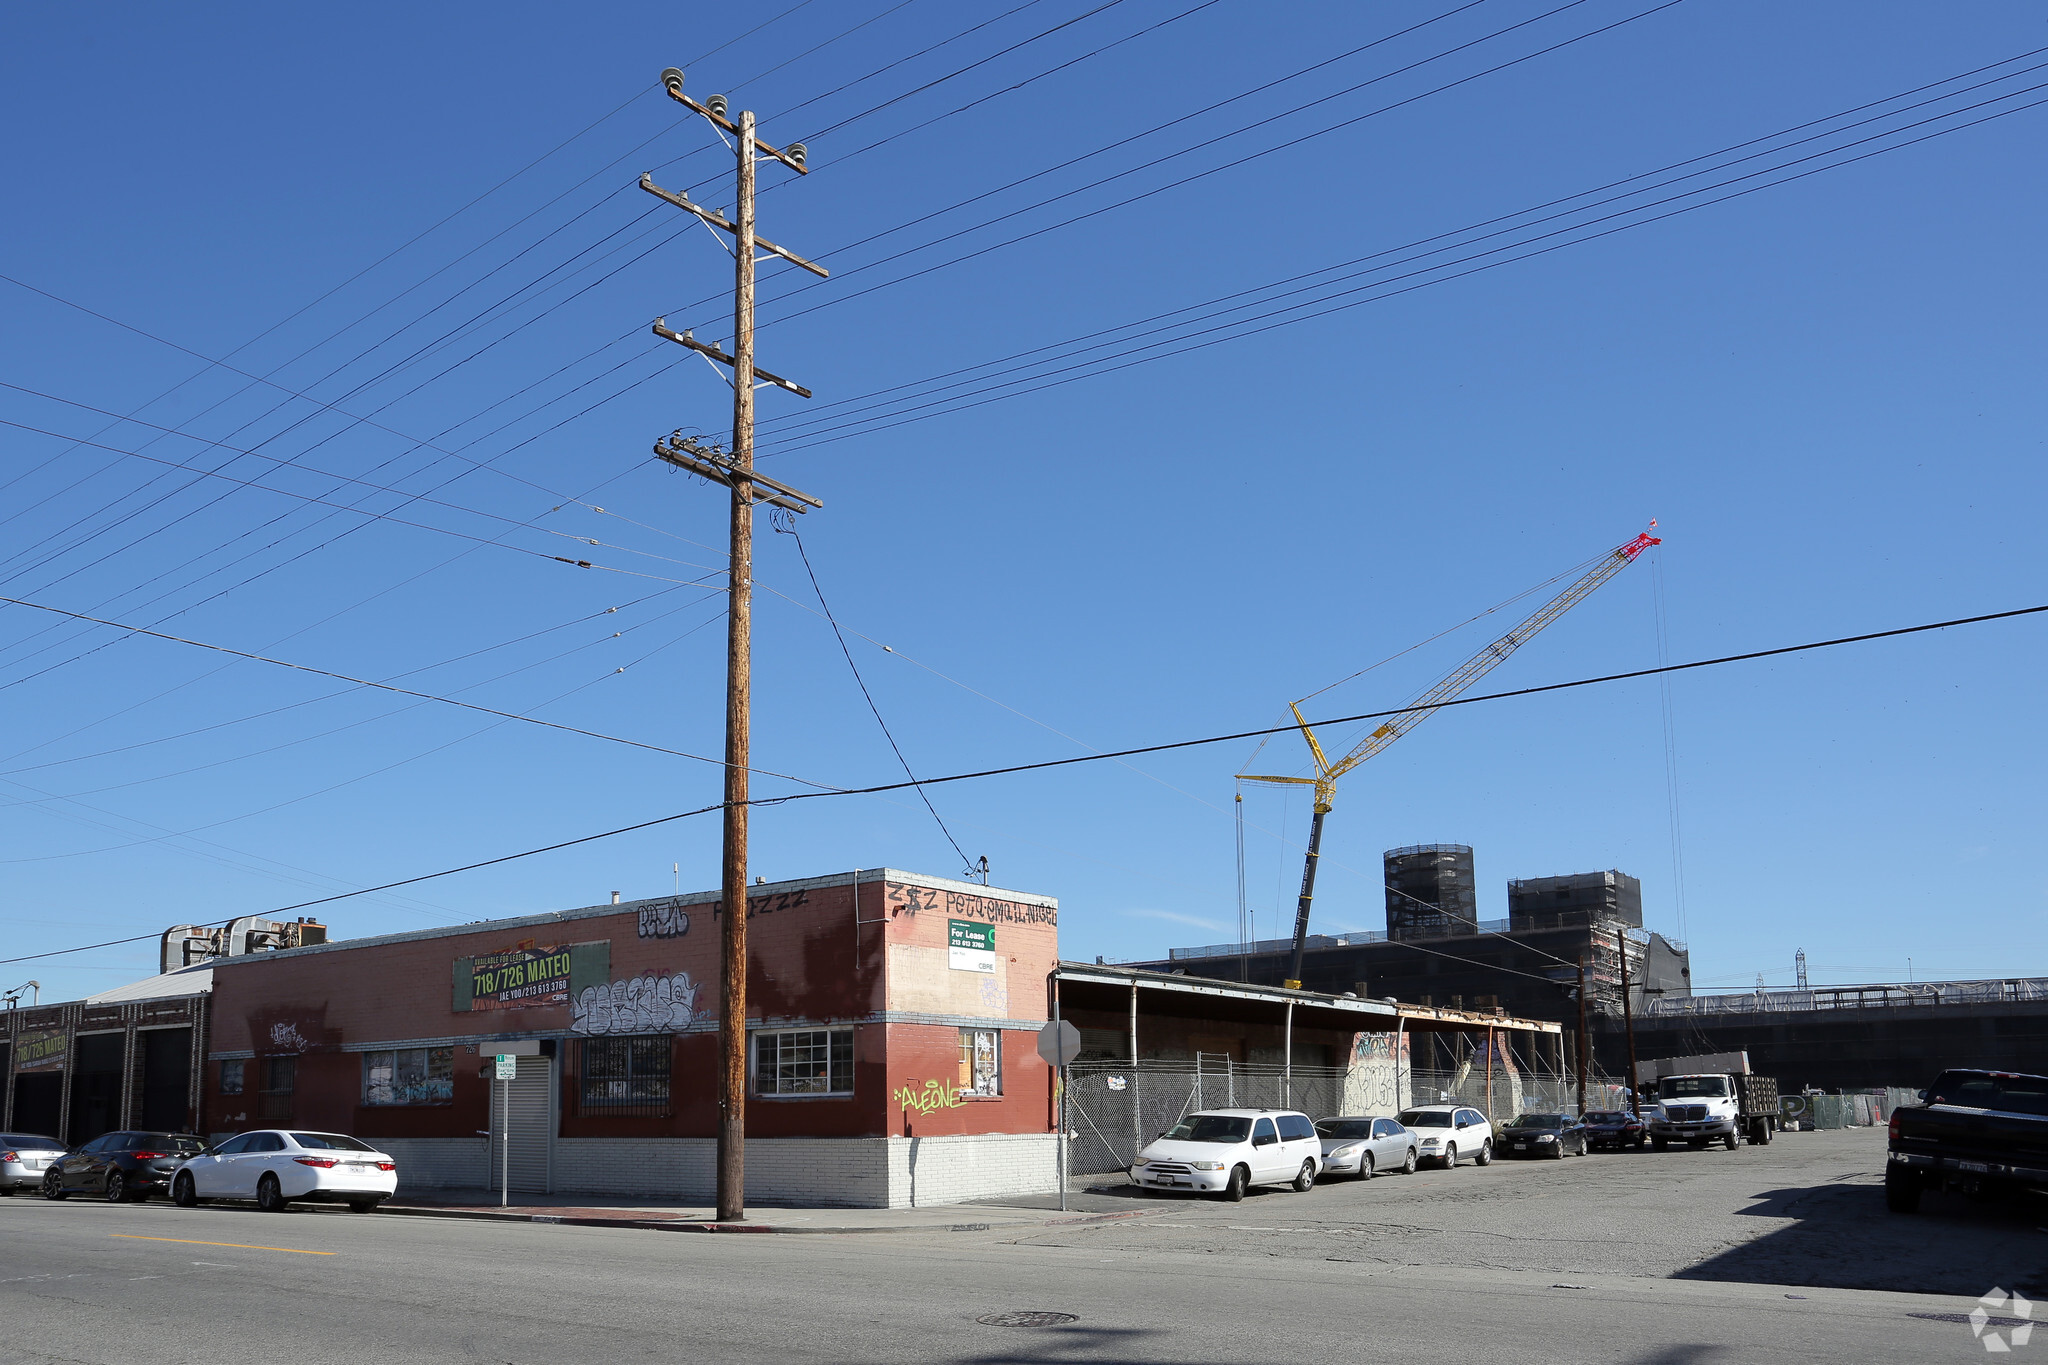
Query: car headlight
1206, 1165
1548, 1137
1348, 1150
1429, 1142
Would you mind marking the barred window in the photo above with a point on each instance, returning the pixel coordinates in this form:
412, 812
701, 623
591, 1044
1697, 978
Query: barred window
804, 1062
231, 1076
280, 1075
981, 1061
409, 1075
627, 1076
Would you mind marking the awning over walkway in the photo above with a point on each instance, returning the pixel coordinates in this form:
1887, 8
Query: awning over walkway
1101, 986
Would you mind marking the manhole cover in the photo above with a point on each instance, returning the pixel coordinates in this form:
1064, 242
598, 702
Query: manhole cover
1027, 1318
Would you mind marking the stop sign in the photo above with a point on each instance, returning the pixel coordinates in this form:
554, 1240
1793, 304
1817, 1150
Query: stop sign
1059, 1042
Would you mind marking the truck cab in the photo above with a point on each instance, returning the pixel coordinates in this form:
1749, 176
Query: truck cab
1696, 1110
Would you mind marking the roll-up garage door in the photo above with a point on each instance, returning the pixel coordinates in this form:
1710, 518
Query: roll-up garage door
532, 1114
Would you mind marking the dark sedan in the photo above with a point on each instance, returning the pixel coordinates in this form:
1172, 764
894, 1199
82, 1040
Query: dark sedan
1614, 1129
1555, 1135
121, 1166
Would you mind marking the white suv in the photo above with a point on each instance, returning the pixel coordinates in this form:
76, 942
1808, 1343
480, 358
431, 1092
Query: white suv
1228, 1150
1448, 1133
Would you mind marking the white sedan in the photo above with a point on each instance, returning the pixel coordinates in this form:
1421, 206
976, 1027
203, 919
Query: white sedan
276, 1166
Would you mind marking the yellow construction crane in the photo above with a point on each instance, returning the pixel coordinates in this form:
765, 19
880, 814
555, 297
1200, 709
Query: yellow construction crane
1437, 697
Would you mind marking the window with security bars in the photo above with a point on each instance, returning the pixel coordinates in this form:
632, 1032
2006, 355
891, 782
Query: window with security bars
981, 1061
280, 1077
627, 1076
804, 1062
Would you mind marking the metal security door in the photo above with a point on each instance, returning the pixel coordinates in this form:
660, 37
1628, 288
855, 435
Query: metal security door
531, 1114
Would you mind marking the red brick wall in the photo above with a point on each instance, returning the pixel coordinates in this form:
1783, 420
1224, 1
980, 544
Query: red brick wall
809, 962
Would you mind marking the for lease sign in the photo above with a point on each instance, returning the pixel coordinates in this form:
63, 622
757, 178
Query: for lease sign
39, 1051
970, 947
520, 978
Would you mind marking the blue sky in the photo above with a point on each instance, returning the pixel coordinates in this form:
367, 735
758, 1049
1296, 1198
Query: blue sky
1827, 392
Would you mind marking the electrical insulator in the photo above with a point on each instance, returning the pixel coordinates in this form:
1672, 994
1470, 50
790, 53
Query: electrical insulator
717, 105
796, 152
672, 79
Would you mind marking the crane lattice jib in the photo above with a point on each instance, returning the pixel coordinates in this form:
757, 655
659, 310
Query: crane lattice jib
1491, 657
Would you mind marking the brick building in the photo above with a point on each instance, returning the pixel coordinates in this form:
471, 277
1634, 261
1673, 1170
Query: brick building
891, 1058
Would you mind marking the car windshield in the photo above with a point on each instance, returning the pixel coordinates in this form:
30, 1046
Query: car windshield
1676, 1087
1345, 1128
1551, 1121
331, 1141
169, 1142
1211, 1128
1605, 1116
1426, 1118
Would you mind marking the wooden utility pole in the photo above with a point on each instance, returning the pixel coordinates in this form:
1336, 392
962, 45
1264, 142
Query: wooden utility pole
1584, 1060
735, 469
1628, 1019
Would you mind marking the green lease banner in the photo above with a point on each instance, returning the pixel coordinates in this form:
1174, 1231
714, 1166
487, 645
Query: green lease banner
970, 947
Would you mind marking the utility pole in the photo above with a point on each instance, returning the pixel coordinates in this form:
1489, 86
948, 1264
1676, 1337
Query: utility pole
1628, 1019
1584, 1061
734, 468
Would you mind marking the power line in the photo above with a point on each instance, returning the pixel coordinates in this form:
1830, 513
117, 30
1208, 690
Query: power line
1128, 753
886, 421
868, 696
387, 687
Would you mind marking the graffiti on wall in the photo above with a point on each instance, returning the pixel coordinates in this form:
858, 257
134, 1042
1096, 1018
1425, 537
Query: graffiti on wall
665, 919
285, 1037
646, 1004
935, 1095
1376, 1081
909, 900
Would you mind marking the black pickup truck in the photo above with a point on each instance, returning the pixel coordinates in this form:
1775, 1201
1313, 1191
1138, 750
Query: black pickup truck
1979, 1132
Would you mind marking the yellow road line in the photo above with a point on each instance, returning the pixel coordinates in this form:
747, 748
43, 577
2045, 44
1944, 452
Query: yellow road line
193, 1241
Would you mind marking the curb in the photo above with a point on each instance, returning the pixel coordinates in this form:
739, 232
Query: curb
690, 1225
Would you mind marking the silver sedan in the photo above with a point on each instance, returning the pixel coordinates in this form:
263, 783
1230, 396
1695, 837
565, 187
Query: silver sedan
1365, 1145
23, 1159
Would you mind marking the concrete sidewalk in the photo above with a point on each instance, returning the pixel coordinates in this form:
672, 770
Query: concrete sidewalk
616, 1211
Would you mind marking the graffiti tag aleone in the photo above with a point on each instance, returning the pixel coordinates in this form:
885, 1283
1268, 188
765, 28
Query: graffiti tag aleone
646, 1004
935, 1095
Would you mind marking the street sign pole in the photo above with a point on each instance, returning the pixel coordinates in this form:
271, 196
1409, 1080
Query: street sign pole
507, 1068
1059, 1043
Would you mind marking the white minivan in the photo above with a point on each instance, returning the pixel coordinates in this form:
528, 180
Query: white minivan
1226, 1151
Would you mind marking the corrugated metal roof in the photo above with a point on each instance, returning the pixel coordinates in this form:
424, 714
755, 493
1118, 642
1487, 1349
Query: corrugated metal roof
185, 981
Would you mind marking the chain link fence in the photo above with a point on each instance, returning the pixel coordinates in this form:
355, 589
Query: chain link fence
1115, 1108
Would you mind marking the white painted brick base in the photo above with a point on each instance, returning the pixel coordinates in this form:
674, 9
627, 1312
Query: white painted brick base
871, 1173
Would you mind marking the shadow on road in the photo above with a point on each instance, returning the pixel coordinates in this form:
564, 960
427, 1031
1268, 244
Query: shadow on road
1844, 1237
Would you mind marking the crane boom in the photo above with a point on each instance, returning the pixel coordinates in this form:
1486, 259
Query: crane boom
1447, 690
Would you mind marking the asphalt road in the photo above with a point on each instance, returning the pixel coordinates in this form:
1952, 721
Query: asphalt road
87, 1282
1807, 1210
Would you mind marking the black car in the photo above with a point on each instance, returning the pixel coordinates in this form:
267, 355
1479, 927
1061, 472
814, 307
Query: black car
121, 1166
1557, 1135
1614, 1129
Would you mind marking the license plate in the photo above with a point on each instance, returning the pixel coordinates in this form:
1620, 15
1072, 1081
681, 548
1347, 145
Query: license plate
1521, 1146
1981, 1166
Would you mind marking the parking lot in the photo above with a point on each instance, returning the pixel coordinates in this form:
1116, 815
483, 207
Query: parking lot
1808, 1209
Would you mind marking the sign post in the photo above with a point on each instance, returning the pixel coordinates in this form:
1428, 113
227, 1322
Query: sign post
1059, 1042
507, 1070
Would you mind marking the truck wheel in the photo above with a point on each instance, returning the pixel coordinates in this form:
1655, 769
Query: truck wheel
1901, 1189
1728, 1141
1660, 1144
